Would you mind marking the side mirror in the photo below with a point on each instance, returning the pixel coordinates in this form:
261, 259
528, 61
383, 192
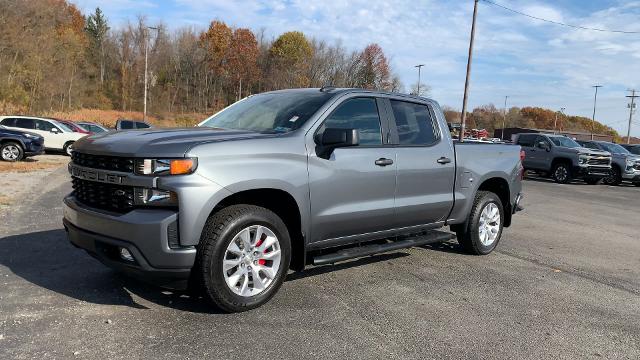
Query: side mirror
54, 130
333, 138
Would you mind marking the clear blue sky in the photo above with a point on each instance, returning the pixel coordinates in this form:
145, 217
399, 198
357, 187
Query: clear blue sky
535, 63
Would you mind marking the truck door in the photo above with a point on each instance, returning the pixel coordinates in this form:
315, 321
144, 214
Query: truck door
426, 166
543, 158
352, 192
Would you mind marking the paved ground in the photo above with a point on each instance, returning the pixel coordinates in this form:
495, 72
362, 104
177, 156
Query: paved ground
564, 283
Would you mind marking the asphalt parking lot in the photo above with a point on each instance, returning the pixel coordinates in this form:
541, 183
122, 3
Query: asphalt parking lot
564, 283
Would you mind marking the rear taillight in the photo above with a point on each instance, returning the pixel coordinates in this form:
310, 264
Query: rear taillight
522, 155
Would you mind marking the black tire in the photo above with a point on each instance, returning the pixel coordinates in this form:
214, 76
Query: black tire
11, 151
615, 178
468, 236
636, 184
592, 181
561, 173
218, 232
68, 147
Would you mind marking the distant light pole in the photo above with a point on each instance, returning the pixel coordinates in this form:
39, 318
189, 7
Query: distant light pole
463, 119
419, 67
504, 118
146, 64
593, 118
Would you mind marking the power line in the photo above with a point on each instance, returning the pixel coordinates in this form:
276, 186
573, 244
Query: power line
558, 22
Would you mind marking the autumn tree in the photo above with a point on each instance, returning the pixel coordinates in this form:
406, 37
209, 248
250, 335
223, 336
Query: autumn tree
290, 60
243, 59
373, 70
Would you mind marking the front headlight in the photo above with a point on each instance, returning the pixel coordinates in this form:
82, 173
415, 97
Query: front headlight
583, 159
155, 197
630, 162
166, 166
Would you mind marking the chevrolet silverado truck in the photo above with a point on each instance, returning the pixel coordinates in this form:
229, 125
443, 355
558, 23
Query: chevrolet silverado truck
563, 158
281, 180
625, 165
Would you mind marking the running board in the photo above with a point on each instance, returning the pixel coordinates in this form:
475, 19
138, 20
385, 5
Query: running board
360, 251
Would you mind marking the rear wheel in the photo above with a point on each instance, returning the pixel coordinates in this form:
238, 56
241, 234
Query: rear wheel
614, 178
482, 232
11, 151
562, 173
243, 257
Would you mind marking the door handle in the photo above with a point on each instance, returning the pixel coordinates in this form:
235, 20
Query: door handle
443, 160
383, 162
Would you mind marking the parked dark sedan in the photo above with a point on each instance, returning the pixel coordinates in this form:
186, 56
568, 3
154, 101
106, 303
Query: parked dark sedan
16, 145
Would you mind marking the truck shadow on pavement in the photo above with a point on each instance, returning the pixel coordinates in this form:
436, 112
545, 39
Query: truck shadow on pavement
47, 260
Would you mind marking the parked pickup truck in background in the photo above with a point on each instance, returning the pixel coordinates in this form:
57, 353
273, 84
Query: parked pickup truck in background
281, 180
563, 158
625, 165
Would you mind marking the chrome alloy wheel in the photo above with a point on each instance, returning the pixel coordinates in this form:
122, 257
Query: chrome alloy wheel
561, 173
251, 261
489, 224
10, 152
69, 149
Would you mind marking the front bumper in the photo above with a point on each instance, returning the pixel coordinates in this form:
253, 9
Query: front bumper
592, 171
633, 176
33, 148
145, 233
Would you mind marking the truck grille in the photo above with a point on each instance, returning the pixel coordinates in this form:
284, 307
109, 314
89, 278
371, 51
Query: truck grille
599, 161
114, 163
116, 198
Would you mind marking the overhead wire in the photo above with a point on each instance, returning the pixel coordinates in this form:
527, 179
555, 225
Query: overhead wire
558, 22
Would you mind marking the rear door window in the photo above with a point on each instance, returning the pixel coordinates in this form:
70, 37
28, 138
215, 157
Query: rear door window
141, 125
25, 123
414, 123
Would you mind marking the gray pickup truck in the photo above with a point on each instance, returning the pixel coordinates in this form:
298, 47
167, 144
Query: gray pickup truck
563, 158
625, 165
281, 180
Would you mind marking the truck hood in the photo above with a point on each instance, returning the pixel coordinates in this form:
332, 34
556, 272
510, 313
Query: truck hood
157, 142
583, 151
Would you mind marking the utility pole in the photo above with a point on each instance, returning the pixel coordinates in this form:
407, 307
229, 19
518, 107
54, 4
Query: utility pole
504, 118
463, 121
593, 118
555, 123
146, 64
631, 107
419, 67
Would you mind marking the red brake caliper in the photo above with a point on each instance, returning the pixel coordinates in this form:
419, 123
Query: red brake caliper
258, 243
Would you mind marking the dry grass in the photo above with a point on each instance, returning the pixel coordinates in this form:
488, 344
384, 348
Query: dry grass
41, 162
5, 200
108, 118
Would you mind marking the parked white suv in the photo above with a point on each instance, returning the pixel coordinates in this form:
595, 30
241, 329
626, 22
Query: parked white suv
57, 136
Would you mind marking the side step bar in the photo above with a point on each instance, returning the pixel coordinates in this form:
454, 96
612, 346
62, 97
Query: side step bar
360, 251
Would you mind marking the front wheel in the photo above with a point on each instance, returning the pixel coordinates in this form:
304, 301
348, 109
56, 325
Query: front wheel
481, 234
68, 148
562, 173
11, 151
243, 257
614, 178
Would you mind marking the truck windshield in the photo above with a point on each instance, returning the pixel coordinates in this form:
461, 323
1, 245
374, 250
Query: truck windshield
614, 148
564, 141
269, 113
